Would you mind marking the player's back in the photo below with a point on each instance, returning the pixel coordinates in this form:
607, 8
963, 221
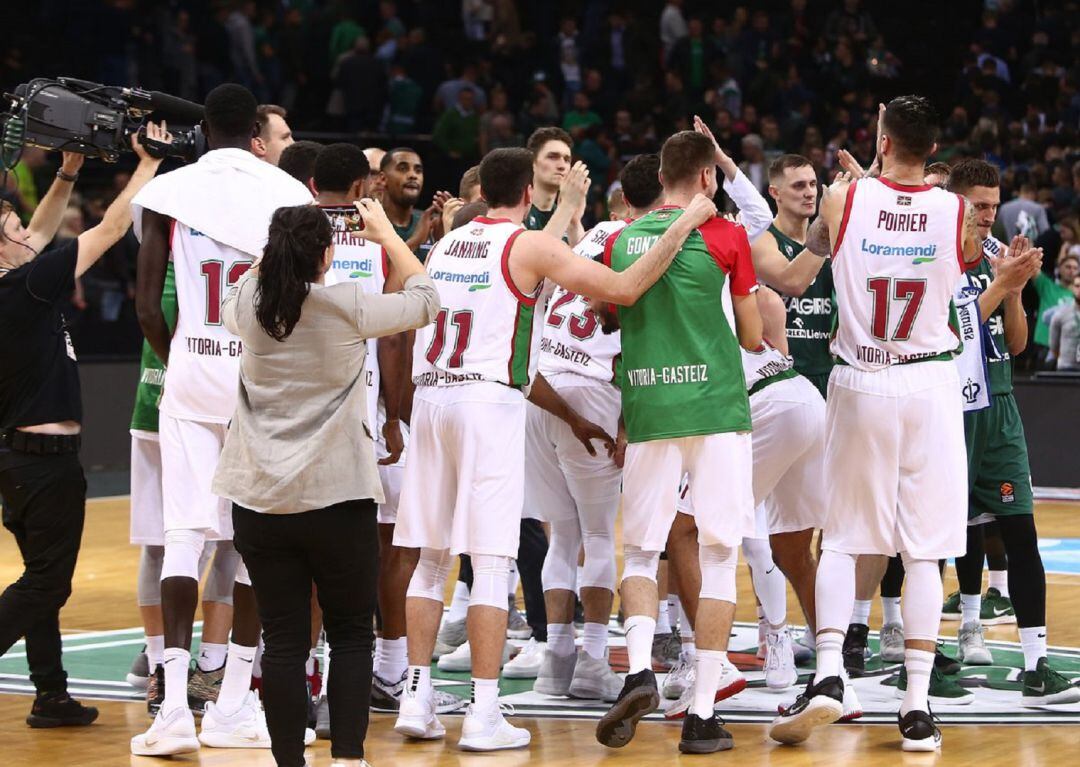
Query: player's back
895, 266
485, 329
204, 357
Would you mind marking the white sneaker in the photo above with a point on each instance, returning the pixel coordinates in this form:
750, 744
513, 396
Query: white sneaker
461, 658
363, 763
679, 679
516, 625
526, 664
731, 683
489, 731
973, 651
594, 679
172, 732
892, 643
452, 634
244, 729
780, 670
416, 716
555, 674
852, 706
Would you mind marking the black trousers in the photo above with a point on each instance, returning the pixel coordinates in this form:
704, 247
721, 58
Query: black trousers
337, 548
44, 499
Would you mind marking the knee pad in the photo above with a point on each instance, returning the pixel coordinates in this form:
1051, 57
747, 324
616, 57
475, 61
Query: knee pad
430, 574
758, 554
491, 576
182, 551
224, 571
718, 571
640, 564
599, 569
242, 576
148, 586
560, 564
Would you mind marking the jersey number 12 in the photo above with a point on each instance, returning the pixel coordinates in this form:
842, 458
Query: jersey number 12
212, 271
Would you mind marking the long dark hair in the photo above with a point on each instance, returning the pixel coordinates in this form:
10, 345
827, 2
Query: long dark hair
292, 260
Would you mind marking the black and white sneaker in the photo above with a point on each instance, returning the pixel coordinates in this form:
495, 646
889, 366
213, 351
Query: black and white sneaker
639, 697
704, 736
386, 697
919, 731
822, 703
855, 649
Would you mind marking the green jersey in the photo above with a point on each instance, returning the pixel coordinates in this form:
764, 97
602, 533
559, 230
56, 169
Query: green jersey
1052, 294
537, 219
809, 316
151, 370
405, 232
682, 368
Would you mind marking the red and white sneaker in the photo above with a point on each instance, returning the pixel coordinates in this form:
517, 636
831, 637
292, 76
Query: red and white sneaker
732, 682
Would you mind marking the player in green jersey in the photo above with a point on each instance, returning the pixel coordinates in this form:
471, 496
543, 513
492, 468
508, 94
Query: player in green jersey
559, 187
686, 410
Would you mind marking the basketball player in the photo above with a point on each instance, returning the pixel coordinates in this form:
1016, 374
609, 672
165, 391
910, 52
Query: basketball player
553, 179
577, 494
999, 478
274, 134
900, 246
403, 175
464, 481
298, 160
341, 177
211, 217
376, 179
686, 410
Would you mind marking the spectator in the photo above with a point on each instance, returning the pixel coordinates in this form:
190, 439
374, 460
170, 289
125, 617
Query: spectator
403, 101
1065, 331
362, 83
673, 26
446, 95
499, 109
753, 164
1053, 293
457, 131
692, 56
851, 22
245, 65
580, 117
1023, 215
344, 34
477, 17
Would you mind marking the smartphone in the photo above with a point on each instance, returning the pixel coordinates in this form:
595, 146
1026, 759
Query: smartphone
345, 218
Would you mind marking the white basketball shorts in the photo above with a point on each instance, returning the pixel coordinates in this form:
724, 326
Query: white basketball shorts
189, 457
391, 476
147, 518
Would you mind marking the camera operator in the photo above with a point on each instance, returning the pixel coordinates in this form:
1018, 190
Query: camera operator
41, 479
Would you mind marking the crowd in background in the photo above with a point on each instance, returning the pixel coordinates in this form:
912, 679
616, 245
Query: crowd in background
456, 79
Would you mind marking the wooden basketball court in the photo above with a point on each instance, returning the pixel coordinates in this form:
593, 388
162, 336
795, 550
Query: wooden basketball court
104, 599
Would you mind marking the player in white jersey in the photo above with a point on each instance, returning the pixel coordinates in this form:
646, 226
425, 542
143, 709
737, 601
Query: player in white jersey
895, 458
341, 175
577, 494
213, 217
464, 480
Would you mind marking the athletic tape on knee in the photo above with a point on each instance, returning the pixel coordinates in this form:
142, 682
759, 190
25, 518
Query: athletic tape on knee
640, 564
599, 570
182, 551
560, 564
430, 574
718, 571
491, 575
148, 585
223, 573
921, 602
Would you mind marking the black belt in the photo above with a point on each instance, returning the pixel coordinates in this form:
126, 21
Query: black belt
40, 444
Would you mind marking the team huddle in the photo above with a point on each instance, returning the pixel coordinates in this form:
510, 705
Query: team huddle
726, 381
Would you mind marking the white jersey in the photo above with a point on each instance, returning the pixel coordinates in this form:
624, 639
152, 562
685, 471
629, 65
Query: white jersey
363, 261
896, 262
201, 381
485, 330
764, 364
572, 339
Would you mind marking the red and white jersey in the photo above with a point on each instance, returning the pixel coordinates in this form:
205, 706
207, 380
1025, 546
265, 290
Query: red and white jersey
202, 378
572, 339
485, 330
764, 363
896, 262
363, 261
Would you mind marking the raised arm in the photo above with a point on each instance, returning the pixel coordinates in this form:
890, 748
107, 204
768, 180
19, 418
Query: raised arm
566, 218
50, 211
754, 211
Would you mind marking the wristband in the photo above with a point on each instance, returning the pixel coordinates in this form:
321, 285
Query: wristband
65, 177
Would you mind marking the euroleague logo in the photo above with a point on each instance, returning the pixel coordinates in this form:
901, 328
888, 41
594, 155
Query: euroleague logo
1007, 492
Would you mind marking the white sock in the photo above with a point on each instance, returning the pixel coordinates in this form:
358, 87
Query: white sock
459, 605
212, 655
391, 658
674, 611
561, 638
999, 579
861, 613
176, 661
419, 680
970, 607
890, 606
237, 680
155, 650
1033, 642
830, 659
485, 693
325, 668
663, 620
595, 642
256, 666
919, 664
639, 634
708, 667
